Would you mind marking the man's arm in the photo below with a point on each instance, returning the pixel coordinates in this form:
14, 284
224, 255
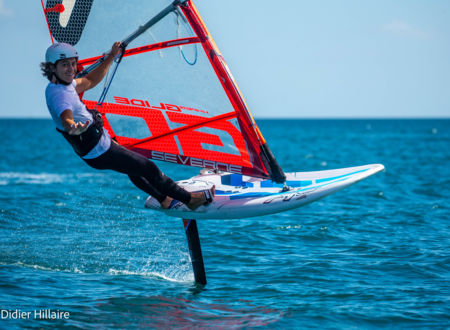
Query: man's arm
95, 76
70, 125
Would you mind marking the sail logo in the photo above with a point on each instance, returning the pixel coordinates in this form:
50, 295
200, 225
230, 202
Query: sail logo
287, 197
146, 104
64, 16
67, 19
196, 162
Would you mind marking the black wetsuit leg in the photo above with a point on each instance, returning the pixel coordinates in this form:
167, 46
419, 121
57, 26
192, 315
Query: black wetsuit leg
143, 184
141, 171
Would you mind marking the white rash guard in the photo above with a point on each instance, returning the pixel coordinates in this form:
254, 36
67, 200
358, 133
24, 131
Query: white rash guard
61, 97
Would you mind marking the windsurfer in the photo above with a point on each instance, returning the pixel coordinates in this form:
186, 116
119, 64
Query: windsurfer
83, 128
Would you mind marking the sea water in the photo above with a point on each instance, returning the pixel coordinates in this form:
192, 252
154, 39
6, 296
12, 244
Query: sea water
78, 244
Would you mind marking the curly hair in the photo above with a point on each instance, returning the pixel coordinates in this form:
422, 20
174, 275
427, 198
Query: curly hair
46, 68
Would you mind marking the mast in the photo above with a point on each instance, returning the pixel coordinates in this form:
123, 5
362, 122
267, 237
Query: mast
226, 79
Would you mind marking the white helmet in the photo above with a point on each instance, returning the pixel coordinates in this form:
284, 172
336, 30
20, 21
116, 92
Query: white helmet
60, 51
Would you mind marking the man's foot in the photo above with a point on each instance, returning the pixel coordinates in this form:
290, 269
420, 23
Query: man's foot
165, 204
200, 198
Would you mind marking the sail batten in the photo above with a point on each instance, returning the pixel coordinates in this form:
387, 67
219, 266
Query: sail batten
173, 98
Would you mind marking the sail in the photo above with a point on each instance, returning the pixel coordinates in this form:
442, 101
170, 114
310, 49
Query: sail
173, 97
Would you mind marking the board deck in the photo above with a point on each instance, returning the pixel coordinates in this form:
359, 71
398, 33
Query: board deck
240, 196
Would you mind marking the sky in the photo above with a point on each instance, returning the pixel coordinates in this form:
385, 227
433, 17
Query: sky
291, 59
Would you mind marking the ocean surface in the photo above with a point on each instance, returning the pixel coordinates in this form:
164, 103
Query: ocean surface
375, 255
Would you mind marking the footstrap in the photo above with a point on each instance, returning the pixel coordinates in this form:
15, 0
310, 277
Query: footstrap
174, 204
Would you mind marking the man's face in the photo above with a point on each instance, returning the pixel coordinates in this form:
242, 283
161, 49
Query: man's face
66, 69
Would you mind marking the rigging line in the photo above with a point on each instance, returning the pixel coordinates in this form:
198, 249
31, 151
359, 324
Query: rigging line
160, 53
105, 85
108, 84
224, 116
179, 16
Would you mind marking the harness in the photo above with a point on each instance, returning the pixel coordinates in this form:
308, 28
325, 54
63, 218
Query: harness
82, 144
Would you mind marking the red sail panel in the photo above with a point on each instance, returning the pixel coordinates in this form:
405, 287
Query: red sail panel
161, 145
